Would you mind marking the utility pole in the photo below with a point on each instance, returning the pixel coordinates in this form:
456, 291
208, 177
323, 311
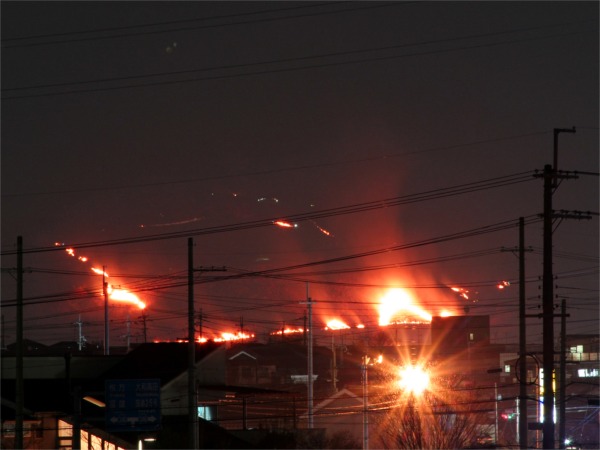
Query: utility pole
556, 133
106, 325
522, 361
304, 330
192, 406
548, 313
193, 437
309, 381
333, 363
550, 176
200, 318
310, 361
365, 386
144, 326
496, 411
522, 341
19, 389
562, 382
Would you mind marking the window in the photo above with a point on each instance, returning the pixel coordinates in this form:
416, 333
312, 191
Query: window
206, 412
587, 373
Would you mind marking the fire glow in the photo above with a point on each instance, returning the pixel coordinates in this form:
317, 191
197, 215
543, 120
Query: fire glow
397, 302
503, 285
287, 331
336, 324
284, 224
114, 293
461, 292
322, 230
228, 337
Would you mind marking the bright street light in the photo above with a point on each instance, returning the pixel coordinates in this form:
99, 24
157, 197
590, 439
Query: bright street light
414, 379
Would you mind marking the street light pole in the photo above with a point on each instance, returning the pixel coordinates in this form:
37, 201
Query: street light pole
496, 408
365, 383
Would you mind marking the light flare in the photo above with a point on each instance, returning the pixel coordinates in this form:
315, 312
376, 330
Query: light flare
413, 379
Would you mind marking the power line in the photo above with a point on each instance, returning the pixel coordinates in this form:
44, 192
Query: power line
275, 61
287, 169
7, 41
277, 271
274, 70
343, 210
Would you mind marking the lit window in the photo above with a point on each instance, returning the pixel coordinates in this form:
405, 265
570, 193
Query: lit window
206, 412
507, 368
587, 373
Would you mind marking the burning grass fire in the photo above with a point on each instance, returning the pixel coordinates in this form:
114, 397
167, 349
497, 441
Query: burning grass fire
116, 294
397, 305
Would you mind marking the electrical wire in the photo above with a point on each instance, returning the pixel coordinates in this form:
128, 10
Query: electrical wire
434, 194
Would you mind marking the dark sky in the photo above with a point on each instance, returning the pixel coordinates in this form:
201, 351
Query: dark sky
128, 127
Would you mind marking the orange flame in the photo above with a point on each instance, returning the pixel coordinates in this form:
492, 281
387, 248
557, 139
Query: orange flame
99, 271
461, 292
396, 302
228, 337
336, 324
322, 230
284, 224
122, 295
287, 331
116, 294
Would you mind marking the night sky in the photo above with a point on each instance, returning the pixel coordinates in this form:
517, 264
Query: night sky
399, 139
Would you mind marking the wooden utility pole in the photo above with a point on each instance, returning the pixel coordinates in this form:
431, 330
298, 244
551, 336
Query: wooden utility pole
192, 406
522, 341
551, 177
562, 382
548, 313
310, 361
19, 390
193, 437
309, 357
106, 325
